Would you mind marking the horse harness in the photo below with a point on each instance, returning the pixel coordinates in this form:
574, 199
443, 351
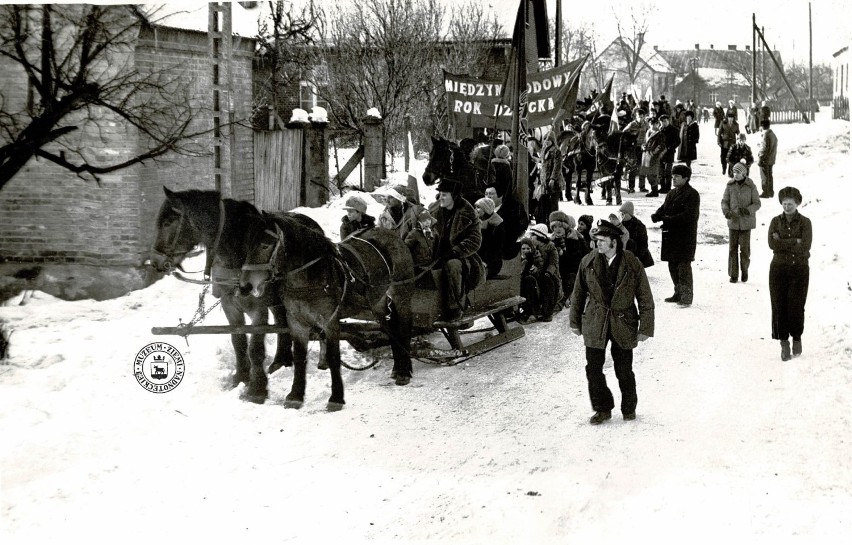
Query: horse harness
170, 253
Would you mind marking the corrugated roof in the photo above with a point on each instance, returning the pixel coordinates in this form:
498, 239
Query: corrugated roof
193, 15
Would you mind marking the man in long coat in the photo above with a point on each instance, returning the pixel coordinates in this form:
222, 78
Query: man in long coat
610, 282
689, 135
766, 159
672, 140
679, 214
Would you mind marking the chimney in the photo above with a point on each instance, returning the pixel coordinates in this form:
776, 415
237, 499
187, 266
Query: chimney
656, 48
696, 46
711, 46
732, 48
748, 48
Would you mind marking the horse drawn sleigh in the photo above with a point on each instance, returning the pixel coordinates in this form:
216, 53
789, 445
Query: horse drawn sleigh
363, 290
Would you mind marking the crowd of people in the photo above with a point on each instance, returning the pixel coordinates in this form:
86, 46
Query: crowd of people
597, 269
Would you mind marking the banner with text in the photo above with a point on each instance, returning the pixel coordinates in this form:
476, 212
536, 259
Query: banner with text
473, 102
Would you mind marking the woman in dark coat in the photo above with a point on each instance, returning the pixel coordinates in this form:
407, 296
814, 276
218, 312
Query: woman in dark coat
790, 238
689, 134
493, 236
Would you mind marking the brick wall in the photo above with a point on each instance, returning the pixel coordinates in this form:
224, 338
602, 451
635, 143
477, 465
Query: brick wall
50, 215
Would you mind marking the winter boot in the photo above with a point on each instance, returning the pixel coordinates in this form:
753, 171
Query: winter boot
797, 347
785, 350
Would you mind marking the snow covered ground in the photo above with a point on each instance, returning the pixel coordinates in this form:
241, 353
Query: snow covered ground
730, 443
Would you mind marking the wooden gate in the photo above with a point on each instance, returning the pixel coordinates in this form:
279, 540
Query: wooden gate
278, 172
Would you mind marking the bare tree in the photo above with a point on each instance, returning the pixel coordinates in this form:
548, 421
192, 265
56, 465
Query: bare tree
379, 54
283, 38
77, 63
633, 24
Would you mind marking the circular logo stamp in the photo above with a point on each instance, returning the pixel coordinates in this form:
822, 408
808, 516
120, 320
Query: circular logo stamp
159, 368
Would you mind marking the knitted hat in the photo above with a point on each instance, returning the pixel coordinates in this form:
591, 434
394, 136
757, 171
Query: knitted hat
627, 208
587, 220
740, 168
540, 230
356, 202
501, 151
486, 204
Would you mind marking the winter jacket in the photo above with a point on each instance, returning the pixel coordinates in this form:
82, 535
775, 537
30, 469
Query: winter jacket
672, 140
787, 250
500, 175
736, 197
464, 236
728, 134
493, 238
551, 170
679, 214
347, 227
638, 242
718, 116
655, 147
689, 134
420, 246
740, 151
594, 316
764, 113
768, 148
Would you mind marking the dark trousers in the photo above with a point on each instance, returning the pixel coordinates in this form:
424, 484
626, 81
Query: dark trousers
723, 153
766, 181
739, 251
451, 286
665, 176
788, 292
599, 392
540, 292
681, 273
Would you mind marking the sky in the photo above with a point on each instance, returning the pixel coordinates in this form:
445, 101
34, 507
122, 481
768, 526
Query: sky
680, 25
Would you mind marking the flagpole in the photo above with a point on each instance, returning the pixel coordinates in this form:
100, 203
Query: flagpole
519, 152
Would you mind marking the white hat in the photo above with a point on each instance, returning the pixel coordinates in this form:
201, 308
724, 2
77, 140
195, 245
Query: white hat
540, 230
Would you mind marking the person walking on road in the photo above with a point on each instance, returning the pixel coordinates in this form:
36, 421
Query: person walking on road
790, 238
610, 283
740, 203
679, 214
766, 159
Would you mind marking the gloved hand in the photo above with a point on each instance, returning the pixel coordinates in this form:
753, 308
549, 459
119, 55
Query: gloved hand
728, 215
744, 211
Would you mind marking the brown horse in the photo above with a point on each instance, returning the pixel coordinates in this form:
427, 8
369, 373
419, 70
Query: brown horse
320, 282
189, 218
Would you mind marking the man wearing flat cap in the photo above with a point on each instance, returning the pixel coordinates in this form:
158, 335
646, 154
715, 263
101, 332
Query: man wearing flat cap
671, 137
679, 214
610, 283
458, 268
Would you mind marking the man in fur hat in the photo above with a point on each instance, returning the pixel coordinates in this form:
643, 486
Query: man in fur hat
610, 283
457, 237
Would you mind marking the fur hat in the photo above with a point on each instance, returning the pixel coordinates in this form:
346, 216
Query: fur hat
540, 230
683, 170
790, 193
559, 215
486, 204
356, 202
626, 207
526, 240
689, 113
606, 229
587, 220
740, 168
501, 151
450, 186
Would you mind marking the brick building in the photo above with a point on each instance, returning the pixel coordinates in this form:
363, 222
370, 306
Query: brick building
50, 215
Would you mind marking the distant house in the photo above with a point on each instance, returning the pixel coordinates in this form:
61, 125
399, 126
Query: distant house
723, 74
653, 75
840, 94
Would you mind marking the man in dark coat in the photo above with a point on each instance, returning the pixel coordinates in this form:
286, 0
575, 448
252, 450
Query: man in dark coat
672, 140
679, 214
718, 116
689, 135
727, 137
610, 283
766, 159
740, 153
457, 237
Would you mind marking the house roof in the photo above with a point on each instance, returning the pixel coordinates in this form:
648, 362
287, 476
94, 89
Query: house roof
193, 15
715, 59
647, 55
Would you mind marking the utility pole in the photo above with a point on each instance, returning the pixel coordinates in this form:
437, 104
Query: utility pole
810, 63
753, 59
694, 61
558, 33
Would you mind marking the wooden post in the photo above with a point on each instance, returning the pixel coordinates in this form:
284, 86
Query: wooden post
753, 59
316, 178
784, 77
374, 156
811, 108
558, 33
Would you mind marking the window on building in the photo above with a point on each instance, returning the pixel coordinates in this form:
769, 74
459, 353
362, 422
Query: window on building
308, 97
714, 96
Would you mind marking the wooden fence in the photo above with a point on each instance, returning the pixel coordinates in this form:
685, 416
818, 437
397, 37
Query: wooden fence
840, 108
278, 169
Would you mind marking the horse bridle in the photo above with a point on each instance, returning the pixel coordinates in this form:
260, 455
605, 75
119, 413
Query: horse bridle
270, 266
171, 253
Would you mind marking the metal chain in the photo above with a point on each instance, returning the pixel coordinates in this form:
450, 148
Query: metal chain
200, 313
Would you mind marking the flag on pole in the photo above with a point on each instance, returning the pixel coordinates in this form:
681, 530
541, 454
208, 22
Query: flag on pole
567, 97
613, 123
603, 100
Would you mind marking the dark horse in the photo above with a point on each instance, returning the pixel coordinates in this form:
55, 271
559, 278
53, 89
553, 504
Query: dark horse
320, 282
189, 218
579, 157
613, 155
447, 160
